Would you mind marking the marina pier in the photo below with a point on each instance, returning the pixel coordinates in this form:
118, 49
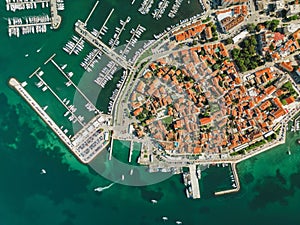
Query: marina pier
97, 43
77, 89
38, 109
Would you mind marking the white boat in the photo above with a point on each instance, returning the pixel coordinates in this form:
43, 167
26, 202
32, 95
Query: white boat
122, 177
98, 189
153, 201
26, 55
43, 171
178, 222
64, 66
45, 108
165, 218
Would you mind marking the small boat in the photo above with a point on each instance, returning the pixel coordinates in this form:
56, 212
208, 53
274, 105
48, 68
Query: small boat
289, 151
43, 171
178, 222
98, 189
26, 55
165, 218
64, 66
122, 177
39, 50
153, 201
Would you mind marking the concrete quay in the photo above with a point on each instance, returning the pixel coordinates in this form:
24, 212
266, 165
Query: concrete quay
19, 88
237, 182
194, 182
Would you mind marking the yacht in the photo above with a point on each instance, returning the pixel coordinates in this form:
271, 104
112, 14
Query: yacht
70, 74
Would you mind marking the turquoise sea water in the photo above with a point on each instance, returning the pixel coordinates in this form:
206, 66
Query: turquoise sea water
64, 196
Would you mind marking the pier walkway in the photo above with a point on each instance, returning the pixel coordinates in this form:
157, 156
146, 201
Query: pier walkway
130, 150
74, 85
27, 97
194, 182
28, 24
97, 43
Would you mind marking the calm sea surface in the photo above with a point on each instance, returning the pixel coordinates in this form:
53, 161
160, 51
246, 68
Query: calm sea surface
64, 196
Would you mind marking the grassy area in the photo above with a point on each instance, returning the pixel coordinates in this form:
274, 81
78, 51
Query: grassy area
167, 120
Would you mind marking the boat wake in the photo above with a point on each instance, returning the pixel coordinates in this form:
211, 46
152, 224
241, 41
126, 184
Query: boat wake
100, 189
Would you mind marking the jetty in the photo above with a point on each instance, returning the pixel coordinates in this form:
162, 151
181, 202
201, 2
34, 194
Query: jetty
130, 151
77, 89
194, 182
14, 83
236, 180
